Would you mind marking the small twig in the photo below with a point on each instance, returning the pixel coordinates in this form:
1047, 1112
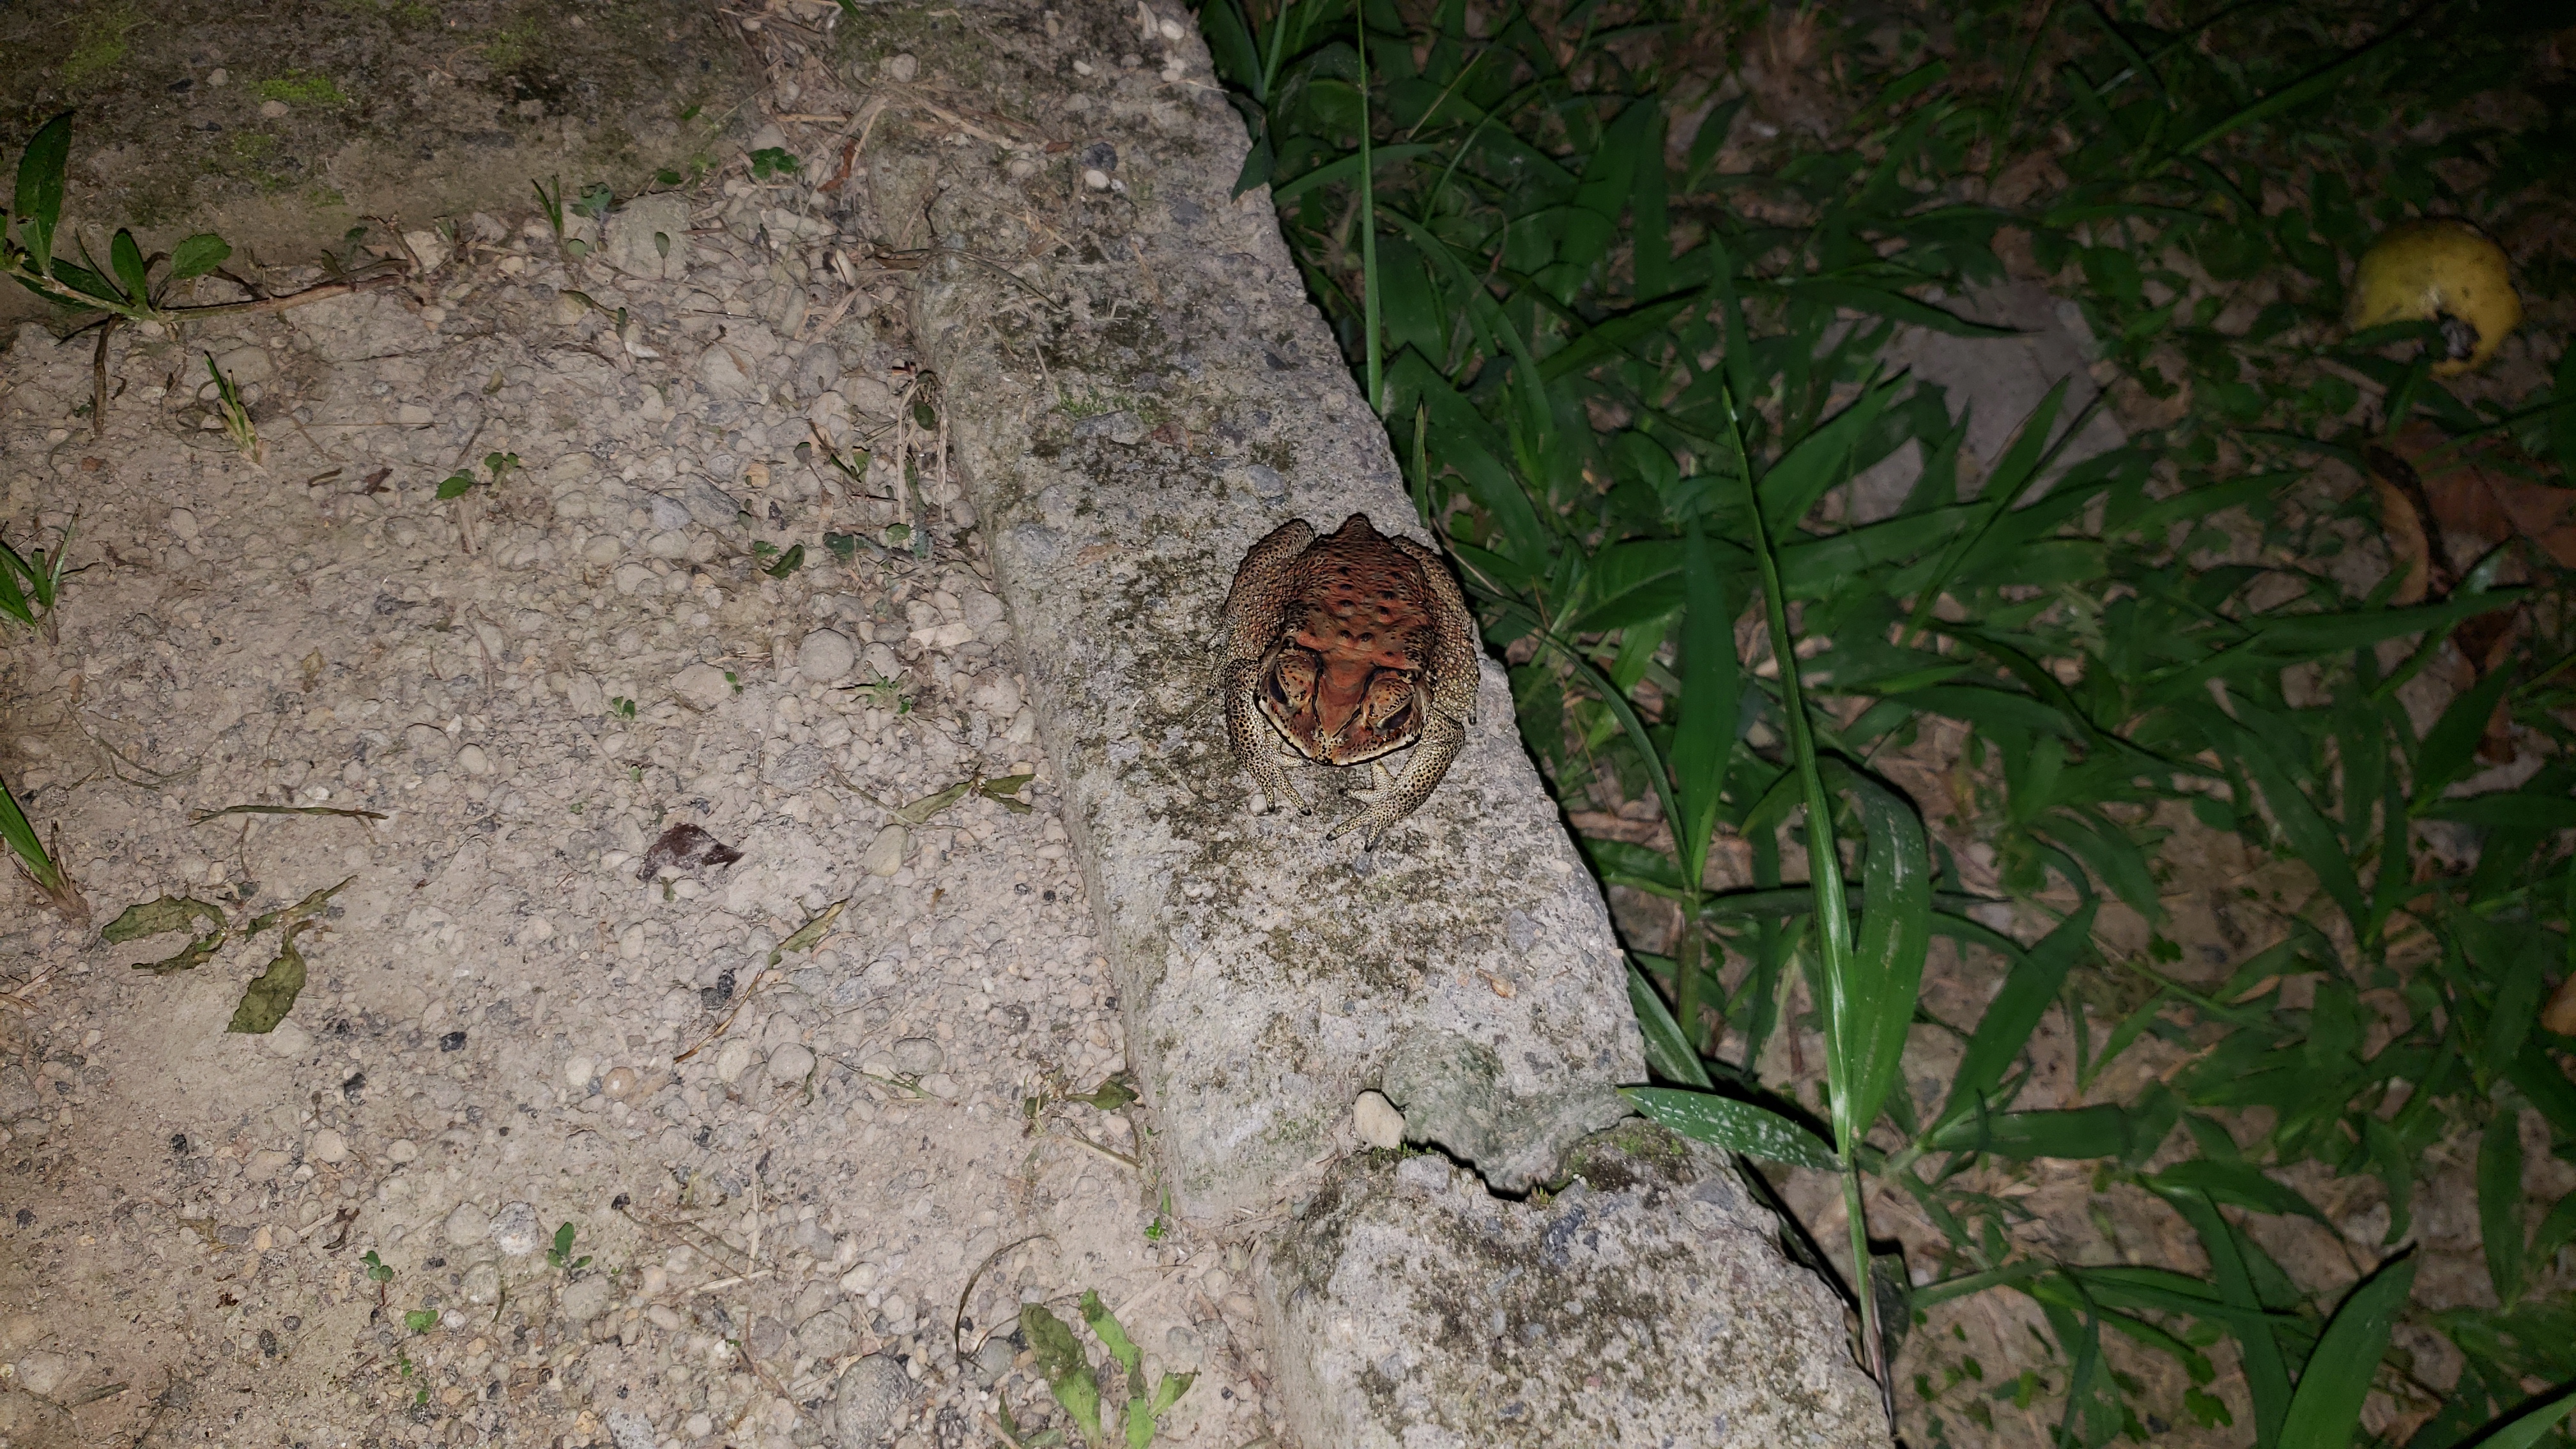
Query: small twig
740, 1000
957, 1324
98, 382
201, 817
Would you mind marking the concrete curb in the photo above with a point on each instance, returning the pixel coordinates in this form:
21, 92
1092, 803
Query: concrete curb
1131, 410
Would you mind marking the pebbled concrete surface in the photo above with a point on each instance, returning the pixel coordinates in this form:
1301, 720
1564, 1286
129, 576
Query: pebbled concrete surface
1647, 1304
1145, 404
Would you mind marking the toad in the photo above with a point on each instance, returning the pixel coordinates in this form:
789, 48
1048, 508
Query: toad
1341, 650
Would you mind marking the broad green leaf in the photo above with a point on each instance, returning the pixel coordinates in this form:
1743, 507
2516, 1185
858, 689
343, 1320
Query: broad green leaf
38, 207
84, 281
1168, 1391
1587, 228
1344, 171
198, 255
1895, 934
1067, 1371
1822, 460
2073, 1133
125, 256
1894, 306
2239, 1183
2267, 1377
1112, 1334
2506, 810
1737, 1126
2289, 638
2003, 488
2310, 833
2325, 1412
1668, 1051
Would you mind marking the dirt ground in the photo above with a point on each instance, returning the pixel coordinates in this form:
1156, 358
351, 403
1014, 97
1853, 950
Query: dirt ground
809, 1164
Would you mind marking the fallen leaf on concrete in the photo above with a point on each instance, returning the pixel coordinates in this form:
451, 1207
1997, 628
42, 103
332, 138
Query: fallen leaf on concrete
271, 994
686, 848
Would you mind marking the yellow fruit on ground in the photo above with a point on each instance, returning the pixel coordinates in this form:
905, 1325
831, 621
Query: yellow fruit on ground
2438, 271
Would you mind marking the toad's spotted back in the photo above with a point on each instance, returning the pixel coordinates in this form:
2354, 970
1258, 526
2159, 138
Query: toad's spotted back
1348, 648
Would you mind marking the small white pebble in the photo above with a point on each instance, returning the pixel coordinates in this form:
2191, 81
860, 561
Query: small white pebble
1380, 1124
1095, 178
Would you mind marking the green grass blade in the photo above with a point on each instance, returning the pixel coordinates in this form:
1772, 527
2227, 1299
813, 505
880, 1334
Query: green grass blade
2299, 92
20, 834
2267, 1377
13, 598
2309, 832
2450, 746
1370, 298
1895, 933
2003, 488
2325, 1412
2499, 1176
1668, 1051
2241, 1184
1737, 1126
2524, 1427
1704, 736
198, 255
2071, 1133
2036, 978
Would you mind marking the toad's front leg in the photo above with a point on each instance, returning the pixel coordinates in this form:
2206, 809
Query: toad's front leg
1392, 797
1256, 745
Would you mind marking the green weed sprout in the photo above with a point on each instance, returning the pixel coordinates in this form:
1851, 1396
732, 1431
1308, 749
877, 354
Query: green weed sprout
134, 286
1069, 1377
236, 413
593, 202
126, 287
559, 1252
29, 590
37, 864
463, 481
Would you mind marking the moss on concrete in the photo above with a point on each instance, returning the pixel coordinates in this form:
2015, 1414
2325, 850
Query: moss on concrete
392, 108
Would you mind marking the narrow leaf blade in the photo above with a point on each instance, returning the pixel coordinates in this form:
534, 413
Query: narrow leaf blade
1734, 1125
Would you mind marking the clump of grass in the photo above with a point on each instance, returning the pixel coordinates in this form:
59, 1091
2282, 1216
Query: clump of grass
38, 866
31, 588
235, 413
1069, 1378
1629, 395
132, 287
